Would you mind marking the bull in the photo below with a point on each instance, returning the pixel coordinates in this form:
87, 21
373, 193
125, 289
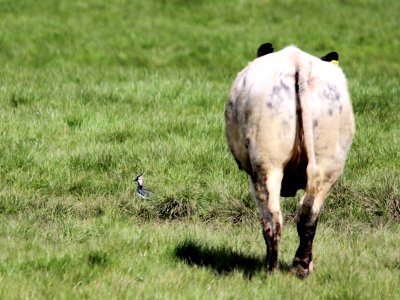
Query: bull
289, 125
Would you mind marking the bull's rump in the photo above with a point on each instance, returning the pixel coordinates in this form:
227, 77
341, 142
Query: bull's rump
264, 125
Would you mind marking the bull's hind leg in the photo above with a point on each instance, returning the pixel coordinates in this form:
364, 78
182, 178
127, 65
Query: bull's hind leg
306, 226
266, 191
307, 218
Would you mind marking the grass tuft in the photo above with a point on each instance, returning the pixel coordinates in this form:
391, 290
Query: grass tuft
74, 121
18, 98
98, 258
234, 211
383, 201
174, 208
378, 203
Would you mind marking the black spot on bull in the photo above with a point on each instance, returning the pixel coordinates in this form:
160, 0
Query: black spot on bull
280, 92
230, 104
232, 107
247, 143
284, 86
331, 93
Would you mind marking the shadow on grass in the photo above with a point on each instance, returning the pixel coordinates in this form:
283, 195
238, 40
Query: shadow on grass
222, 260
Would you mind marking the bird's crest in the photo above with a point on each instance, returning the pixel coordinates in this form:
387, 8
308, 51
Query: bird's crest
138, 177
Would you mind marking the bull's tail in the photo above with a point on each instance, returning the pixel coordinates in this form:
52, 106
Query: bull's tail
304, 98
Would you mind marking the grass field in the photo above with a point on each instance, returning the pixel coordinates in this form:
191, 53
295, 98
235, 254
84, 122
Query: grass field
92, 93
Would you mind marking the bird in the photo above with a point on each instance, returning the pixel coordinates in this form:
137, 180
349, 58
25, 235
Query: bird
140, 190
264, 49
332, 57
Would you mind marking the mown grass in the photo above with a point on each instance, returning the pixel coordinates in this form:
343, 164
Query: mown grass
92, 93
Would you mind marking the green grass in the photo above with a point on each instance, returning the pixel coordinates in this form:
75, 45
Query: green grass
92, 93
110, 257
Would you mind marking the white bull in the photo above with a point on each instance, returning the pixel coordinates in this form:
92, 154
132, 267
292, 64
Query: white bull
289, 125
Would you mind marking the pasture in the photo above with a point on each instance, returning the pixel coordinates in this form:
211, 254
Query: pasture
94, 92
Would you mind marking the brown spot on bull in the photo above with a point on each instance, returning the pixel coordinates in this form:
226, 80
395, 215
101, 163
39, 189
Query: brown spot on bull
273, 259
272, 236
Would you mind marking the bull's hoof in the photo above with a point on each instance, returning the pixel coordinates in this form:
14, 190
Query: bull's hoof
301, 269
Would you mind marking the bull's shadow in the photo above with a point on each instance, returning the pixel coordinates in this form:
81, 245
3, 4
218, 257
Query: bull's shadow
222, 259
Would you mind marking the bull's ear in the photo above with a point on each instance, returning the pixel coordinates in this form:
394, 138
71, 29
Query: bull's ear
265, 49
332, 57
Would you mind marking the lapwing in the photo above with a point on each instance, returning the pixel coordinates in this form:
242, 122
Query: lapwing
141, 191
